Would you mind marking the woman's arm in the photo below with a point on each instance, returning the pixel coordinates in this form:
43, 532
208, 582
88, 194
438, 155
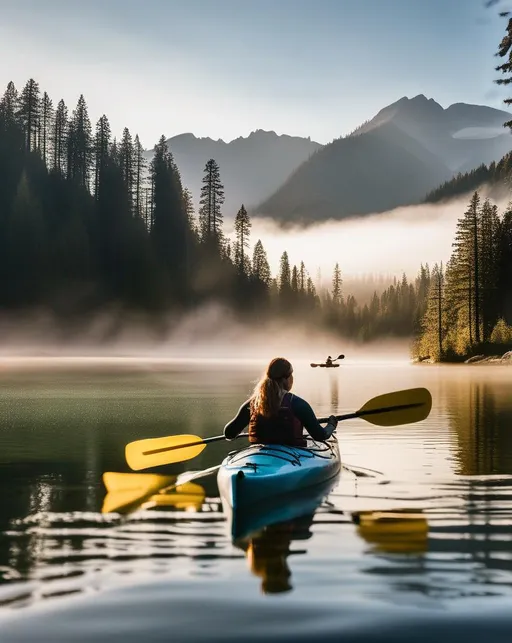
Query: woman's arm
306, 415
239, 422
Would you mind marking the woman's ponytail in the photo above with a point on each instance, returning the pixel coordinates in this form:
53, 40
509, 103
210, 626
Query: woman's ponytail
267, 395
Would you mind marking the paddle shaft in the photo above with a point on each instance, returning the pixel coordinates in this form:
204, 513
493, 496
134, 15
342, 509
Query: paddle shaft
216, 438
340, 418
384, 409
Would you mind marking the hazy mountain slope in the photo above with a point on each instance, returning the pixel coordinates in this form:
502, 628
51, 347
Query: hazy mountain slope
251, 168
463, 135
396, 158
374, 171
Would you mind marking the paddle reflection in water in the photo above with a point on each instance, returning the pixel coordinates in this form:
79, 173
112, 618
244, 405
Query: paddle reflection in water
127, 492
398, 531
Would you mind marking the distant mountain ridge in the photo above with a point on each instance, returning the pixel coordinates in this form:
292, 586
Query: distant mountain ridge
251, 167
408, 149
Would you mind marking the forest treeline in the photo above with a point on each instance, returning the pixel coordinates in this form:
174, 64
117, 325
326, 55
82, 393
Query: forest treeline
469, 303
494, 174
86, 223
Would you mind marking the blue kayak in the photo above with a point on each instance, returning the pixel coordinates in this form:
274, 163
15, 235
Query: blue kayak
263, 471
245, 522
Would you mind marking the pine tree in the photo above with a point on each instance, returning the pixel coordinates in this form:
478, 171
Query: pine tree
9, 106
336, 286
29, 113
140, 165
489, 249
60, 133
284, 275
463, 270
505, 51
260, 265
310, 287
127, 163
295, 281
169, 231
242, 231
45, 127
79, 143
211, 200
102, 145
505, 265
302, 277
189, 209
434, 320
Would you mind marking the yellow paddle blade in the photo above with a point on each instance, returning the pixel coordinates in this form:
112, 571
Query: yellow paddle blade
415, 402
186, 496
154, 452
399, 531
128, 490
115, 481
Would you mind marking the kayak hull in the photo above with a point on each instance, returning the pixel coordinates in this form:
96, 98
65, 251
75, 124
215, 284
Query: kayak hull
260, 472
325, 365
245, 522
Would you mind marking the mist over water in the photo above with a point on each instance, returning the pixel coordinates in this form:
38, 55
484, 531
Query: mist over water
209, 333
388, 243
378, 247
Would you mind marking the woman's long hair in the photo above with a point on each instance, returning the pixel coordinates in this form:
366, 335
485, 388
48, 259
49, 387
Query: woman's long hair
268, 392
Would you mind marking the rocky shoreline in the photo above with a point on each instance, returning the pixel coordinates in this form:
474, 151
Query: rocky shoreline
502, 360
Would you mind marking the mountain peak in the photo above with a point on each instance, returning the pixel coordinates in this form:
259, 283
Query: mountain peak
390, 160
420, 101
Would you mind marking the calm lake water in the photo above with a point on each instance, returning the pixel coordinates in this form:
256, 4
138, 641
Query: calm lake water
71, 573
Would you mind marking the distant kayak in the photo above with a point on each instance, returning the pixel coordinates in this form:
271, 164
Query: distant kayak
329, 363
325, 365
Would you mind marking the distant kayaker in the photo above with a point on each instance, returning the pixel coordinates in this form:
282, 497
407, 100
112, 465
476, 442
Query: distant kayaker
276, 416
328, 361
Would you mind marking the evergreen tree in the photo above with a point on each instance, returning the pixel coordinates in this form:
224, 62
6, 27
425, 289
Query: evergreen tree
260, 265
102, 145
463, 270
294, 283
79, 145
29, 113
169, 231
211, 200
489, 248
189, 209
242, 231
60, 132
336, 285
9, 107
302, 277
127, 163
434, 321
12, 160
45, 127
140, 165
284, 275
505, 51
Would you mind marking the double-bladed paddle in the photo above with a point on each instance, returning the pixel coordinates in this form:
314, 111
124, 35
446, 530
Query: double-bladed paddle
391, 409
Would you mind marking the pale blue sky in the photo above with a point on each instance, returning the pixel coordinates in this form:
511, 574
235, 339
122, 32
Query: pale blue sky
223, 68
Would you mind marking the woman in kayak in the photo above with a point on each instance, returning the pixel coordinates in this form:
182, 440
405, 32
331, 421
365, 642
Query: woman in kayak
276, 416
